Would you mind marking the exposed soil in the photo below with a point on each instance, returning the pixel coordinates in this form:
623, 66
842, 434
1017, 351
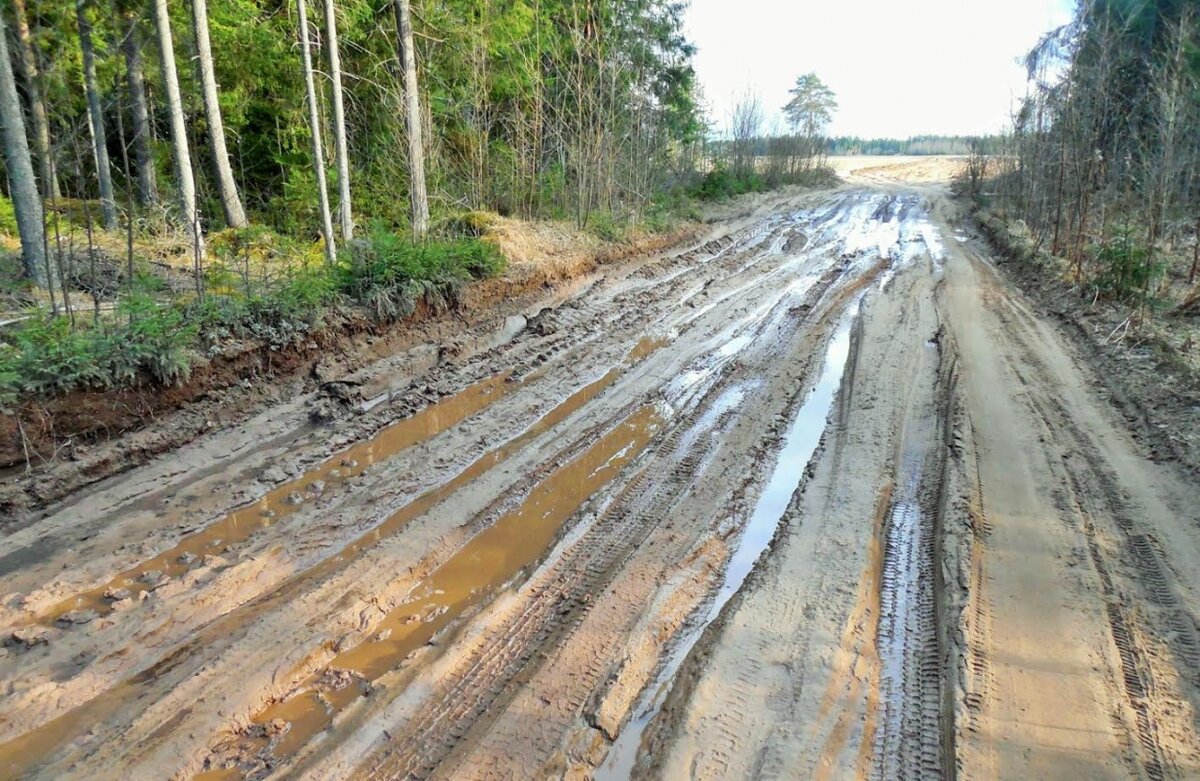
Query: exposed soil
815, 495
1153, 380
54, 446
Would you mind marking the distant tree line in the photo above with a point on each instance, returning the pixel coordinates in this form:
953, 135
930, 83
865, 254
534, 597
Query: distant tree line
916, 145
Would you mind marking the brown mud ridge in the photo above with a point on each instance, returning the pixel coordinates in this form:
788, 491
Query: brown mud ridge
816, 496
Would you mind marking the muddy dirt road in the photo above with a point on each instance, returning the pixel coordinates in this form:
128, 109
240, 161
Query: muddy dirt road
818, 497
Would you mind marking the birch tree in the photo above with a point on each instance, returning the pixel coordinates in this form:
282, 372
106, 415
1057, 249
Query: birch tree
345, 216
31, 77
231, 203
180, 153
314, 125
412, 118
22, 186
108, 206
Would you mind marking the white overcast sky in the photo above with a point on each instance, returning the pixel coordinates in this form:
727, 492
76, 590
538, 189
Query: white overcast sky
899, 68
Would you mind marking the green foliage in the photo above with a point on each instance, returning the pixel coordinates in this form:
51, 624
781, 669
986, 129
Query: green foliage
509, 88
1128, 270
8, 217
607, 226
391, 274
812, 105
45, 355
720, 184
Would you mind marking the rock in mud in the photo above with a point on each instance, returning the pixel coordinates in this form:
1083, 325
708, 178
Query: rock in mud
77, 617
273, 475
543, 323
294, 499
337, 679
117, 594
154, 578
28, 637
326, 411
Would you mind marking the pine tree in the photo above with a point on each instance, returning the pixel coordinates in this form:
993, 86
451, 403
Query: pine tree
27, 202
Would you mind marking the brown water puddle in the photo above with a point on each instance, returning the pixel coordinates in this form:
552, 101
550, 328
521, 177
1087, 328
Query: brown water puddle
516, 541
24, 752
284, 500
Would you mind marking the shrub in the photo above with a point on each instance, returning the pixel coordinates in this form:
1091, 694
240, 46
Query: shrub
390, 274
1127, 269
604, 225
720, 183
148, 340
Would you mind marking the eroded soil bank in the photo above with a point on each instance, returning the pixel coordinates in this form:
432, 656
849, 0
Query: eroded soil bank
816, 495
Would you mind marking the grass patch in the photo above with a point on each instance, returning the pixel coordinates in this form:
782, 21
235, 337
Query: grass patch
154, 337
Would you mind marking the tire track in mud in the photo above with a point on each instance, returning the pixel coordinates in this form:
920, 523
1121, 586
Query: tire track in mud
474, 573
558, 601
909, 736
680, 477
1137, 680
723, 356
222, 536
1142, 612
768, 763
799, 444
124, 697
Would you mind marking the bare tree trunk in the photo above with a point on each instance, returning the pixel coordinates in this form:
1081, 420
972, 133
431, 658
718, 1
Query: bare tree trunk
128, 203
108, 205
179, 140
31, 76
412, 119
131, 45
345, 213
27, 202
314, 124
231, 203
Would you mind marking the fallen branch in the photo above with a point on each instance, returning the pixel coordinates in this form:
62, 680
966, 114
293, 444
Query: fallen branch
1124, 324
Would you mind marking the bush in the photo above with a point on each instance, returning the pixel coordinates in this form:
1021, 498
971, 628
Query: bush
605, 226
390, 274
46, 356
720, 184
148, 340
1128, 269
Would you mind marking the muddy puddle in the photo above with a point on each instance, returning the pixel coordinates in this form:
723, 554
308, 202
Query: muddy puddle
491, 559
799, 444
277, 504
28, 750
198, 549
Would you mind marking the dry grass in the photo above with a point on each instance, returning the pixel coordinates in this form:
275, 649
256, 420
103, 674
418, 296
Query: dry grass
542, 251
